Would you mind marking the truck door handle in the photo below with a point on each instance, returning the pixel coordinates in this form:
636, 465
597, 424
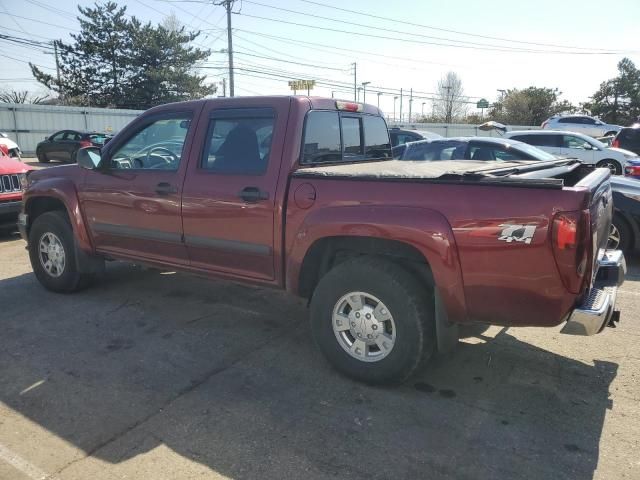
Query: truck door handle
164, 188
253, 194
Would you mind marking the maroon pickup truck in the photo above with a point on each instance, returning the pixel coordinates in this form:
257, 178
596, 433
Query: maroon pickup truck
301, 194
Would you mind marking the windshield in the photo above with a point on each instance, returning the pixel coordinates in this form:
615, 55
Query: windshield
534, 152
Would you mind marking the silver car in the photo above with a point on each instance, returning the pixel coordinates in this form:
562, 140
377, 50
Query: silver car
581, 124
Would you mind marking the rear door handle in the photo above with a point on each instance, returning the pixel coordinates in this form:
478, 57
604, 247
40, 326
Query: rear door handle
164, 188
253, 194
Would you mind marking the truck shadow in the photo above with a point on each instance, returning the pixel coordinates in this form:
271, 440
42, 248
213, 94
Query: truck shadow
228, 377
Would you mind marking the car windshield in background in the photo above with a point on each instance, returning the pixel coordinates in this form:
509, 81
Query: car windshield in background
534, 152
97, 138
444, 150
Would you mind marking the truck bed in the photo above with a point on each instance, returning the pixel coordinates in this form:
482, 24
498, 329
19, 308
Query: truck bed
553, 174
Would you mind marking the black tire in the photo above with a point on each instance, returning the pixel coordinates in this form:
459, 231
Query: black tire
409, 303
613, 165
625, 234
42, 158
70, 280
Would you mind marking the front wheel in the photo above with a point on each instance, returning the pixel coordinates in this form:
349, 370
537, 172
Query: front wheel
373, 320
612, 165
53, 255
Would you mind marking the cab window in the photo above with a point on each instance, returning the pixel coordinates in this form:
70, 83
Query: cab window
239, 142
157, 146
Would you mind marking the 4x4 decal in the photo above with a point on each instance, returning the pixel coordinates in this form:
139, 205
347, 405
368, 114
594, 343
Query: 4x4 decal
517, 233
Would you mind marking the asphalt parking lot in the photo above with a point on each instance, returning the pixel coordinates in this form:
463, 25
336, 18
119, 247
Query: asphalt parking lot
158, 375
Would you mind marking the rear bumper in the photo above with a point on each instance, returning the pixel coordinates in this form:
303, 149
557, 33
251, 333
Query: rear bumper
598, 307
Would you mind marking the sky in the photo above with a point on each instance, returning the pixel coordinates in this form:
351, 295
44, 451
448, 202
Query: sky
569, 45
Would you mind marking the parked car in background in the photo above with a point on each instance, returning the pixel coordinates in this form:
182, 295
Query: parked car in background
576, 145
632, 169
63, 146
625, 226
12, 147
401, 136
474, 148
580, 124
628, 138
12, 182
391, 255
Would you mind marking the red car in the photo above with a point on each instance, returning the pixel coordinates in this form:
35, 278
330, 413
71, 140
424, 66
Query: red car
12, 181
301, 194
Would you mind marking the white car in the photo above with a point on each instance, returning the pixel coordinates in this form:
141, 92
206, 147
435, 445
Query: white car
576, 145
14, 150
581, 124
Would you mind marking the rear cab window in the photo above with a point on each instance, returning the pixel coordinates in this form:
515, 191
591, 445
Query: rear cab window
334, 137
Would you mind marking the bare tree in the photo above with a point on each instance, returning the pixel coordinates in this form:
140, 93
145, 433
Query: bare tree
172, 23
21, 96
450, 102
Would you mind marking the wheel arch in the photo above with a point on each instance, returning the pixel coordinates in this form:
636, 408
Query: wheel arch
420, 239
57, 197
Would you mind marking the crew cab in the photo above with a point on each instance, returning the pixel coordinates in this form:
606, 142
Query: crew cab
12, 180
300, 193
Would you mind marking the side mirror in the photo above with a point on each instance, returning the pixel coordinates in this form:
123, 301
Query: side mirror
587, 146
89, 157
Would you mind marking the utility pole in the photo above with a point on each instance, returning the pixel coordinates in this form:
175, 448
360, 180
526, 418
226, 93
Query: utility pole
228, 4
224, 87
55, 51
410, 103
364, 91
379, 93
401, 105
423, 108
355, 81
358, 94
332, 92
394, 107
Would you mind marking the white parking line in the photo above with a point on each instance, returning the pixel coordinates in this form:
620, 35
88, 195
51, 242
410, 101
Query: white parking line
20, 464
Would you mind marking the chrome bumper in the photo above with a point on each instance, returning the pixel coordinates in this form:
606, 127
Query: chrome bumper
598, 306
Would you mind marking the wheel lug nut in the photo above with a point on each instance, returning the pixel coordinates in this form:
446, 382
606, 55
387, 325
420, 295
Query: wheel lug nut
357, 315
359, 335
368, 335
353, 324
374, 327
368, 316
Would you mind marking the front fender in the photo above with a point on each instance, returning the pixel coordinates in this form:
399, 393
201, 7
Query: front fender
64, 191
426, 230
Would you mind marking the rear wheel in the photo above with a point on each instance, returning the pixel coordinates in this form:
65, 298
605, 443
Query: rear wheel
42, 157
620, 236
612, 165
52, 252
373, 320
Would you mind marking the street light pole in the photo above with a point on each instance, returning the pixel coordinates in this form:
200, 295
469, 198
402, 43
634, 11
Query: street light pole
379, 93
423, 103
364, 91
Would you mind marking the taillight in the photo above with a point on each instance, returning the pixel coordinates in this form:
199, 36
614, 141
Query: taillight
632, 171
570, 240
615, 143
85, 143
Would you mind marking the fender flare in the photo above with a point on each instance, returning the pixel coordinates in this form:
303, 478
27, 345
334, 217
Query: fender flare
65, 192
426, 230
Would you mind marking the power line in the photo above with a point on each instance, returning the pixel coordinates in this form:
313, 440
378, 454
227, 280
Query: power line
40, 21
458, 32
347, 22
371, 35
